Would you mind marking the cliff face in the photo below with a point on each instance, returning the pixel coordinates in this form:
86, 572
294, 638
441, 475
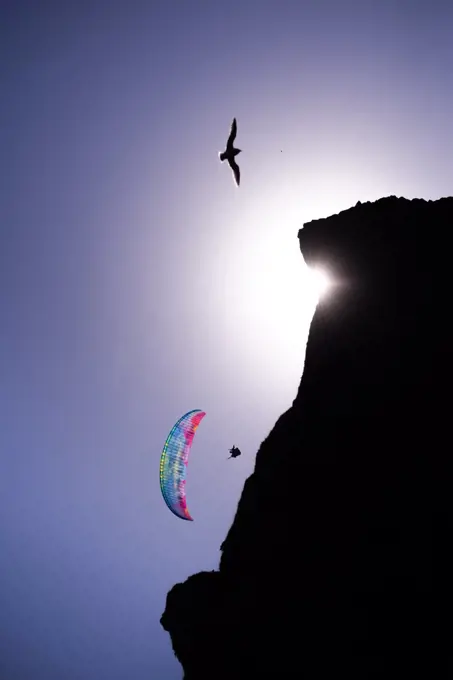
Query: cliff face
334, 561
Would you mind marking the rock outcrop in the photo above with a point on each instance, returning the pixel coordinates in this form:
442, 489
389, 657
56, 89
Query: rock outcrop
337, 561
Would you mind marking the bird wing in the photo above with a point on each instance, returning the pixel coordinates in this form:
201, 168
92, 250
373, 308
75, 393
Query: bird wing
233, 133
235, 168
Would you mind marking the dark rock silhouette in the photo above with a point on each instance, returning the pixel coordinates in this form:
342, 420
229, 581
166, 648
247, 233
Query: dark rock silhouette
337, 562
231, 152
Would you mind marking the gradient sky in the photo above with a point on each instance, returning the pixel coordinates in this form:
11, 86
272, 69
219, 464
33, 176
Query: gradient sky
137, 282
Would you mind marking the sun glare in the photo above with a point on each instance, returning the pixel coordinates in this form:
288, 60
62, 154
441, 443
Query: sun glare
320, 281
267, 294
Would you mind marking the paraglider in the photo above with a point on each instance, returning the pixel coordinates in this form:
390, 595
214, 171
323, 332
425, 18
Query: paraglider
173, 462
235, 452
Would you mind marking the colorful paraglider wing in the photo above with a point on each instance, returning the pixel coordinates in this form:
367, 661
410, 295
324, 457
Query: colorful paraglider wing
173, 462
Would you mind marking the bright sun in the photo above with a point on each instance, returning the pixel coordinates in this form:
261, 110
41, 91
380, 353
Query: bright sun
320, 281
265, 294
270, 294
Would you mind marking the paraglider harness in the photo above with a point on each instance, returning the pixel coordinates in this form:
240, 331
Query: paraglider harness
234, 452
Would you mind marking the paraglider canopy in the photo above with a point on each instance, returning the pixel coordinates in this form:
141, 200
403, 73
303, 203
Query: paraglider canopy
235, 452
173, 462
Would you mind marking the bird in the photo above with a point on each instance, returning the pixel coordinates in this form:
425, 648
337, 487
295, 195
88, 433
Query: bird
230, 153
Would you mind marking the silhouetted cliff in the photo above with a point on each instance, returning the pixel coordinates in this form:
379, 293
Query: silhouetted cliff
337, 561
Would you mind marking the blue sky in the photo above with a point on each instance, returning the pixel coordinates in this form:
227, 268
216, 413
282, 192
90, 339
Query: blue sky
137, 282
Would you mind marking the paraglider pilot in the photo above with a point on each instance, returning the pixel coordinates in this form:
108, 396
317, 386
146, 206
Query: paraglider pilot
234, 452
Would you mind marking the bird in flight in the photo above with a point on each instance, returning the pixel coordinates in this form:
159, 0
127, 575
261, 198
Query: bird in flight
230, 153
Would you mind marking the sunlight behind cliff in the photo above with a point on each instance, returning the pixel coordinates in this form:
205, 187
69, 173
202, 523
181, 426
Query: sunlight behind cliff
265, 292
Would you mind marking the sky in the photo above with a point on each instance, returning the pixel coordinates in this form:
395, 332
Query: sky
137, 282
